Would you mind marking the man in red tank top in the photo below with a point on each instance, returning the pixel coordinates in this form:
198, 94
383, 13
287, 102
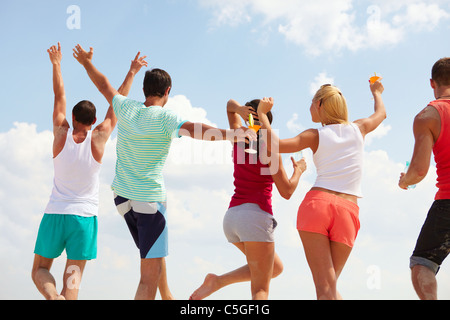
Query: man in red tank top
432, 134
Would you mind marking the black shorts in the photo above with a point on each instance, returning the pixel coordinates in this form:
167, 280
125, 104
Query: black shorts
433, 244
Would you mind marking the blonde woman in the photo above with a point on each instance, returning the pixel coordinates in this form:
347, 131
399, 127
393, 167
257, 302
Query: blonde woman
328, 218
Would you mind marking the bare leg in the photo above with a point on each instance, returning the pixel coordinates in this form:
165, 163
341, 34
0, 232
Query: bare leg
424, 282
43, 279
326, 260
260, 258
213, 282
150, 275
72, 278
163, 286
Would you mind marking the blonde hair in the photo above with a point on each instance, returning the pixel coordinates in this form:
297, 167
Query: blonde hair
333, 105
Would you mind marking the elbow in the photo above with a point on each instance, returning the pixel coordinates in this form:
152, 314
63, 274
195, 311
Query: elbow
286, 194
103, 88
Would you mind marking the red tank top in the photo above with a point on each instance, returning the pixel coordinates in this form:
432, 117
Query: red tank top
250, 185
441, 150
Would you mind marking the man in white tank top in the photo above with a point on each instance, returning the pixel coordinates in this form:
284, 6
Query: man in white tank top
70, 219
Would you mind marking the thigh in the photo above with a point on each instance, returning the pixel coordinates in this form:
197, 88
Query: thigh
260, 259
326, 258
318, 255
41, 262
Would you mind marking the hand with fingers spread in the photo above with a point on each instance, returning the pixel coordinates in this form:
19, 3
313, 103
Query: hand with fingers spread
82, 55
138, 63
55, 54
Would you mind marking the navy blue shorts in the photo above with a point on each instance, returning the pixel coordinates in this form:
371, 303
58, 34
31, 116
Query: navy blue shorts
147, 224
433, 244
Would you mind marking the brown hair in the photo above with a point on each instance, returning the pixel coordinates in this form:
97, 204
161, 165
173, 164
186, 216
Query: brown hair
84, 112
441, 72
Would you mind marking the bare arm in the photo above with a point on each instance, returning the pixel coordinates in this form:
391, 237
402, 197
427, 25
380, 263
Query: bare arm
59, 108
201, 131
235, 112
306, 139
286, 187
108, 125
426, 129
100, 81
369, 124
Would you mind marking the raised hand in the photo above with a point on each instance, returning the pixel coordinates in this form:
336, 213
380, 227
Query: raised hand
55, 54
265, 105
138, 63
81, 55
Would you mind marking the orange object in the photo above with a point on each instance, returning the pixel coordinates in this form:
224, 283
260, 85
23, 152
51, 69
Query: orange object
374, 79
255, 127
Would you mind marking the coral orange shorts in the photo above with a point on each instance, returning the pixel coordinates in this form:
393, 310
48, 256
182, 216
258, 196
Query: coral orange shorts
330, 215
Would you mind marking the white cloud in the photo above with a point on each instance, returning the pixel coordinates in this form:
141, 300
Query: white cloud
198, 196
421, 16
322, 26
294, 125
321, 79
379, 132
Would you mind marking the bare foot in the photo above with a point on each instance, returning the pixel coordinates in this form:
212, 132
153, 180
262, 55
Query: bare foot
208, 287
60, 297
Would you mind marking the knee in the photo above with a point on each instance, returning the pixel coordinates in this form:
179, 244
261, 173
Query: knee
326, 290
151, 271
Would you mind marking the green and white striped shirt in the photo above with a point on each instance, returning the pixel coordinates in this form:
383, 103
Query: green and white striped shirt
143, 142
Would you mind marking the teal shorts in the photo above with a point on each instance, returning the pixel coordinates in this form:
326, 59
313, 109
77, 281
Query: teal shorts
78, 235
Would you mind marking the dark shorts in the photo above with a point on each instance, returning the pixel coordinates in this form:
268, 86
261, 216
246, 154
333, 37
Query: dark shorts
147, 224
433, 244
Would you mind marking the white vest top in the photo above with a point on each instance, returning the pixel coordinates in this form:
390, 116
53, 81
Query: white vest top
76, 181
339, 158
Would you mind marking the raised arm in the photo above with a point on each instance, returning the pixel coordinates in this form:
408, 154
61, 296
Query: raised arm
108, 125
235, 112
59, 108
100, 81
369, 124
135, 67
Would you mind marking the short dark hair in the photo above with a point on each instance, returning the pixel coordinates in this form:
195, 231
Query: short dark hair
84, 112
441, 72
156, 82
255, 104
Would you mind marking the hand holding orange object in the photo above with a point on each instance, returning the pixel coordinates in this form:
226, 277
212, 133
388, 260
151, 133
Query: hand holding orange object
374, 78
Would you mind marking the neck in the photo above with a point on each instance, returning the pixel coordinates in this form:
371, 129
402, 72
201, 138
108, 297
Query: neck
78, 127
155, 101
442, 93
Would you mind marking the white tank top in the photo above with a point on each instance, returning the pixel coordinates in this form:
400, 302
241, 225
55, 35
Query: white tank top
76, 181
339, 158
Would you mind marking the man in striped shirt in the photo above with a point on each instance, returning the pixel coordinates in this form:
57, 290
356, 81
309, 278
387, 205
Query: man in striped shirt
145, 132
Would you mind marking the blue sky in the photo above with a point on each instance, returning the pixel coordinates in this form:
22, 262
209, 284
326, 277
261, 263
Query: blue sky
212, 59
216, 50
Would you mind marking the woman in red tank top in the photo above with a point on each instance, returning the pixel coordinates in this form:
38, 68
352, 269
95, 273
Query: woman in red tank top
249, 222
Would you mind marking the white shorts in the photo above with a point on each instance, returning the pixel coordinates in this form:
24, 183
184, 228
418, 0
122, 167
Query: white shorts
248, 223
